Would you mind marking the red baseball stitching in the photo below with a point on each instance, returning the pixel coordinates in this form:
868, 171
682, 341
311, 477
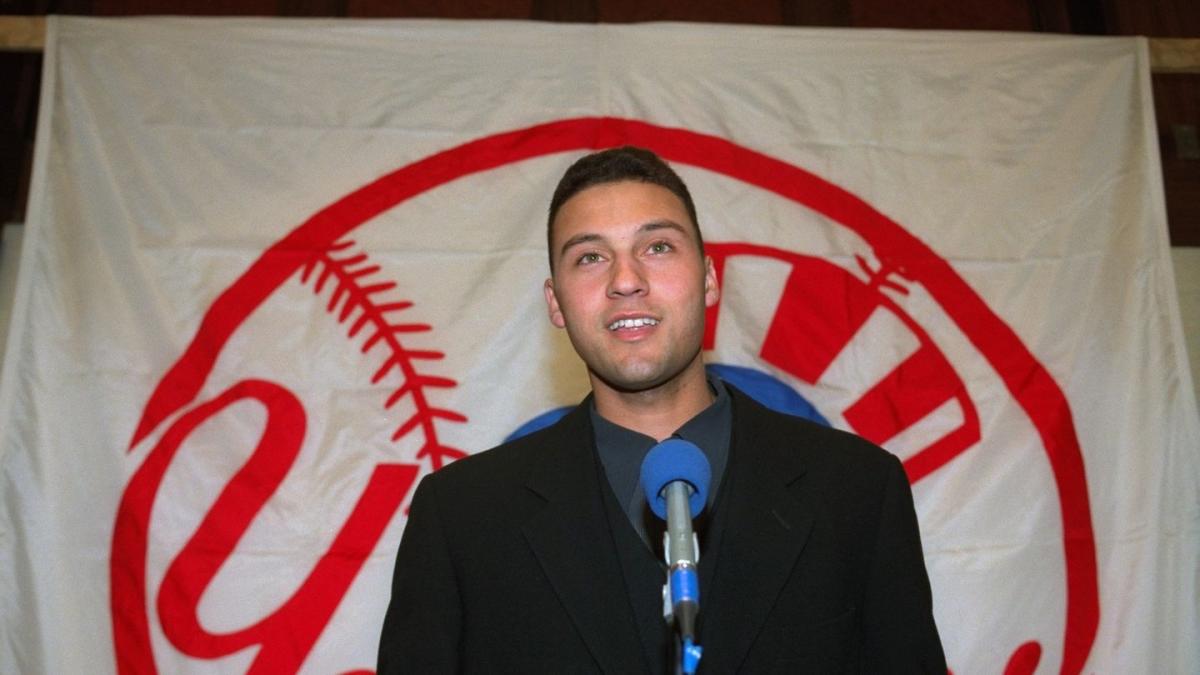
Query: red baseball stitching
354, 289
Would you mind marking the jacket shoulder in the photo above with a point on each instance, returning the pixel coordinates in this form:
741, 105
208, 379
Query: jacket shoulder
816, 445
512, 461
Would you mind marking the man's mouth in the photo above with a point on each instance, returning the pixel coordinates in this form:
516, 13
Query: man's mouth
639, 322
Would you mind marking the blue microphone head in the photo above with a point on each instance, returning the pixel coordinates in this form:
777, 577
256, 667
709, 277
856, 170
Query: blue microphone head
675, 459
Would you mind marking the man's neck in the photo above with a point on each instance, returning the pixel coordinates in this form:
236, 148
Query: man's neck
656, 412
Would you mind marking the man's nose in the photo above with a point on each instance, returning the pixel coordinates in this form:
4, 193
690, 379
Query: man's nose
627, 278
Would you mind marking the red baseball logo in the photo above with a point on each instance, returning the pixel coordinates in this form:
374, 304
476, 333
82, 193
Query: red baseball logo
804, 338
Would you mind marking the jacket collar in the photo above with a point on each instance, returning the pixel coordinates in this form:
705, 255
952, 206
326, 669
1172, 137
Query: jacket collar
570, 538
768, 521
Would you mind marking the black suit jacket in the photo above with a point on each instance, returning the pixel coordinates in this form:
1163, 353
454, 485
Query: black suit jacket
507, 564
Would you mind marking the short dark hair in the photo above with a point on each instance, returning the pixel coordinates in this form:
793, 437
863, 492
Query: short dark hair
626, 163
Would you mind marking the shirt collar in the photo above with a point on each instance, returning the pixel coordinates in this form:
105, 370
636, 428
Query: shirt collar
622, 450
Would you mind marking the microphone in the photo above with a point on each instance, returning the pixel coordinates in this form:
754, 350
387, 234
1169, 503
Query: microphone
676, 477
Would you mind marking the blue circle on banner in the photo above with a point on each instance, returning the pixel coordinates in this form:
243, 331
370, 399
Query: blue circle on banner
767, 389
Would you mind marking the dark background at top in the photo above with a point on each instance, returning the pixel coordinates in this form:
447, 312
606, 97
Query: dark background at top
1176, 96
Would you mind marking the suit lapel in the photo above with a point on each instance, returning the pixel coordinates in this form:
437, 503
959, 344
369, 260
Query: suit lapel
570, 538
767, 525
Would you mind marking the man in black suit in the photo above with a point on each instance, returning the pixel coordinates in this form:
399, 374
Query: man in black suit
538, 556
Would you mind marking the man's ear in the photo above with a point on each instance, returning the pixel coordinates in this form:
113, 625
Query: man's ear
552, 307
712, 290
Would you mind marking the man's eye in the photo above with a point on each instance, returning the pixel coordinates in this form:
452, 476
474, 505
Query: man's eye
660, 247
589, 258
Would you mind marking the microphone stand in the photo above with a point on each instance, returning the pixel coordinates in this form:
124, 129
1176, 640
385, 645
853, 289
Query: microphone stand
675, 475
681, 593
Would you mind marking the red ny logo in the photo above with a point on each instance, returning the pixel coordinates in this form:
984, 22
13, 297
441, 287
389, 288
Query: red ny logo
286, 635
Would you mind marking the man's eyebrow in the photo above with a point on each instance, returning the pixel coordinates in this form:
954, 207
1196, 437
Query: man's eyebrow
662, 225
577, 240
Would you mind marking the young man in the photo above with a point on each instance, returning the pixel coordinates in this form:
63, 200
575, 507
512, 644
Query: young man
539, 556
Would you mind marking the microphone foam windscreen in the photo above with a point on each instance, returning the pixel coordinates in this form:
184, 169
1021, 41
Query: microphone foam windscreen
675, 459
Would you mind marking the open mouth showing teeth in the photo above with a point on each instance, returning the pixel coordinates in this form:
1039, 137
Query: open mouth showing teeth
632, 323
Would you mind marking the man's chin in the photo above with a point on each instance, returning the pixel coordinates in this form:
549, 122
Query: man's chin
629, 382
634, 381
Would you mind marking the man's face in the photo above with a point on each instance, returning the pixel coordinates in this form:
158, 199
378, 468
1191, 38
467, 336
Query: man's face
630, 284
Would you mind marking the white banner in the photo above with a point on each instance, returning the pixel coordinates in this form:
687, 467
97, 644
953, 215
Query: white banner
276, 271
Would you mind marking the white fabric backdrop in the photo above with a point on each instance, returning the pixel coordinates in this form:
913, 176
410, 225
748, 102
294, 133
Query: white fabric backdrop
951, 243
